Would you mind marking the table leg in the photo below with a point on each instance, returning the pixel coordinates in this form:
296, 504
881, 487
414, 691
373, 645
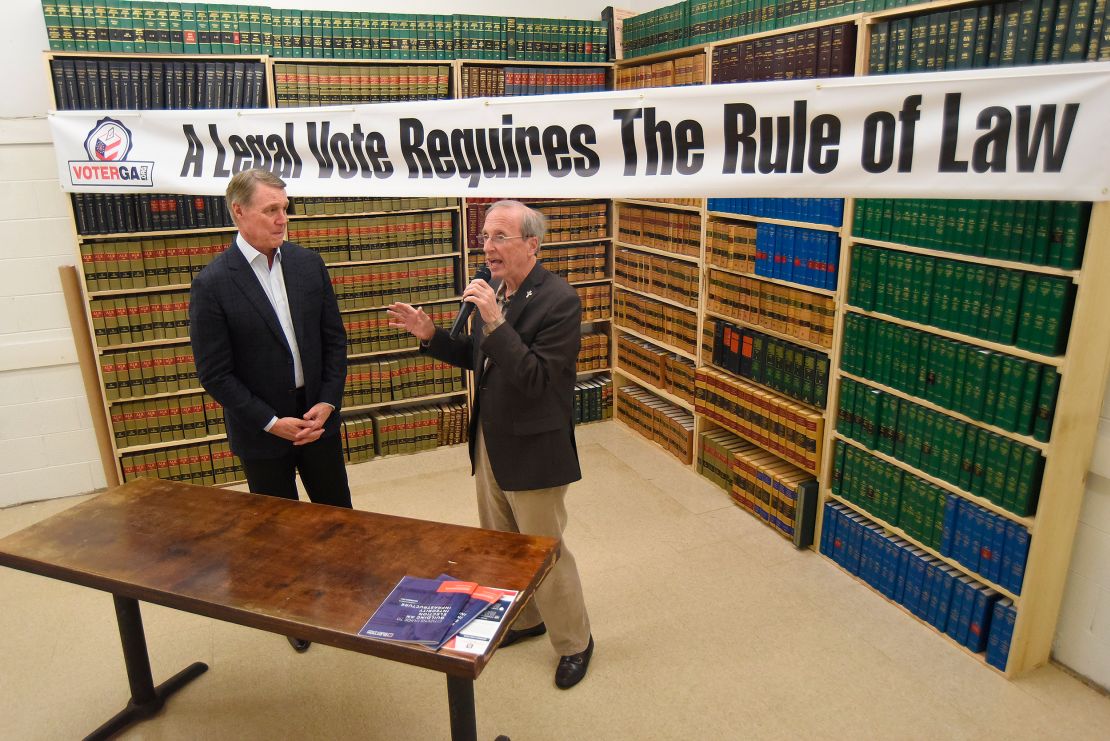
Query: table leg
460, 699
146, 699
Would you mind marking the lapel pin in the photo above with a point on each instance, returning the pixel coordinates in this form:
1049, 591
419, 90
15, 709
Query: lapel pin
529, 294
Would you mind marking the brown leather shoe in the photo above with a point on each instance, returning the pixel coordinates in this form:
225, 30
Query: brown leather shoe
299, 645
573, 668
515, 636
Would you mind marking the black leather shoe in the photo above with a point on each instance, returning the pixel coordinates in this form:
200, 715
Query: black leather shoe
513, 636
299, 645
572, 668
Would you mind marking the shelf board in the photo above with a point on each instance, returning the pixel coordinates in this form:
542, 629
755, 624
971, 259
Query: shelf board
525, 63
136, 291
403, 402
661, 393
593, 371
1017, 352
771, 220
768, 331
662, 344
140, 345
425, 302
910, 539
659, 204
322, 61
152, 397
974, 259
168, 233
355, 215
386, 260
656, 251
1027, 522
1023, 439
589, 281
776, 281
659, 56
768, 389
656, 297
169, 444
379, 353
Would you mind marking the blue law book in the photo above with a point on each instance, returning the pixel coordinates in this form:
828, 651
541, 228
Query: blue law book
1001, 633
828, 529
961, 529
915, 578
899, 595
889, 572
963, 590
832, 260
925, 599
948, 535
419, 611
939, 618
855, 535
866, 554
978, 626
1000, 531
1018, 556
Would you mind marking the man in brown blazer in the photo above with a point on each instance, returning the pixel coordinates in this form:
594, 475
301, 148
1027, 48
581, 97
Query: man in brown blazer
522, 347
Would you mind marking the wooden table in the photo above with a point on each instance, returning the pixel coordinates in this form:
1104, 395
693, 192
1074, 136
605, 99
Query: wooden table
298, 569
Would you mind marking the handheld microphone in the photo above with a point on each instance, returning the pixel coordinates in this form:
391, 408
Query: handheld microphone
467, 308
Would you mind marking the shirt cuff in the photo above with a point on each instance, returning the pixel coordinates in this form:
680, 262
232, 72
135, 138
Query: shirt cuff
270, 425
488, 328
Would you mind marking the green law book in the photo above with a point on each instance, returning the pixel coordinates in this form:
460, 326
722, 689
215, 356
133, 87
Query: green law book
1030, 320
979, 467
911, 420
1029, 481
1075, 40
964, 354
1011, 491
204, 30
887, 423
967, 457
997, 460
867, 412
930, 438
868, 277
986, 301
950, 446
1060, 26
1011, 18
1027, 405
965, 48
925, 374
1042, 42
975, 286
990, 395
1070, 221
1056, 300
1098, 24
1028, 19
1005, 307
845, 413
884, 351
1011, 374
944, 294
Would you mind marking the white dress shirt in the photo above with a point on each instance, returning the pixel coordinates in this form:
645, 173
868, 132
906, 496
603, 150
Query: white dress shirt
272, 281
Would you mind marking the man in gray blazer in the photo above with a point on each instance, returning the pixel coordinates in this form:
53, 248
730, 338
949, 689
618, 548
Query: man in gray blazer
523, 349
270, 348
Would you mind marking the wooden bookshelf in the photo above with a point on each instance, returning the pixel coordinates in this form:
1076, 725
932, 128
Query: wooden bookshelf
1082, 367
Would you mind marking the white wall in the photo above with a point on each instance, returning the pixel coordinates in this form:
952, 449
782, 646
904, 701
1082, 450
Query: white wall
47, 448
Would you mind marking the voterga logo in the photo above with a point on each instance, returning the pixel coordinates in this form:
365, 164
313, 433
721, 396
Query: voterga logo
107, 146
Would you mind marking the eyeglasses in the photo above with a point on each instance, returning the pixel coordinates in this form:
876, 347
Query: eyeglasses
497, 239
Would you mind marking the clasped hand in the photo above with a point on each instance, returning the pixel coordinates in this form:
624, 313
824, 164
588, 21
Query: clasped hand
305, 430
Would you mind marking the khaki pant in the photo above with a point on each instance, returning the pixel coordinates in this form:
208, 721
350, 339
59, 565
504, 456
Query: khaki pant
558, 601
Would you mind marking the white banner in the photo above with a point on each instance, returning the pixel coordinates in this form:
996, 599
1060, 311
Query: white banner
1012, 133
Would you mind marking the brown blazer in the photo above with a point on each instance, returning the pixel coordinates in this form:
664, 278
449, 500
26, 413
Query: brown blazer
524, 398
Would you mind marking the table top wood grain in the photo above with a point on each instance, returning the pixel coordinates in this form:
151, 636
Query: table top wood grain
306, 570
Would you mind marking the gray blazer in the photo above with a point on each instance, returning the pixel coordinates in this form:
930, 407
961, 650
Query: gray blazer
241, 354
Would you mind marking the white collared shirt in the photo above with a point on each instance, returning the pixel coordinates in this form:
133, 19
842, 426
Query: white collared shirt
272, 281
